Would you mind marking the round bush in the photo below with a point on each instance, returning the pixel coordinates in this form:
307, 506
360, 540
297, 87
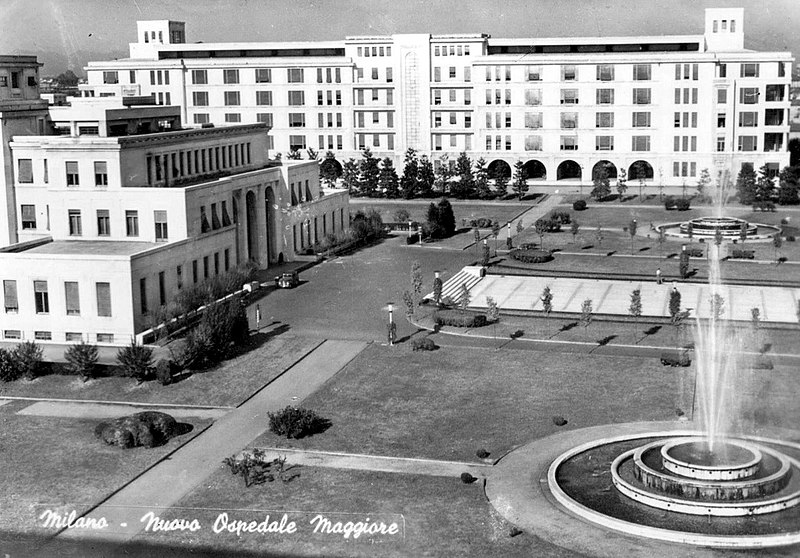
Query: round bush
297, 422
579, 205
148, 429
424, 344
682, 204
531, 256
458, 318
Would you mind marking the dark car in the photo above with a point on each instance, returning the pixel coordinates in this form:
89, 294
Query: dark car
287, 280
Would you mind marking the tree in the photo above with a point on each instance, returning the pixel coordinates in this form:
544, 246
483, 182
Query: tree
463, 300
598, 235
443, 175
674, 303
492, 314
136, 361
640, 172
541, 227
328, 171
547, 301
746, 184
482, 180
67, 79
350, 175
602, 185
425, 177
703, 183
312, 153
635, 309
441, 221
465, 187
294, 155
368, 174
82, 359
437, 289
789, 186
520, 185
500, 181
409, 182
486, 254
28, 359
632, 231
416, 283
662, 238
765, 186
495, 234
574, 228
777, 242
586, 314
388, 183
683, 264
622, 183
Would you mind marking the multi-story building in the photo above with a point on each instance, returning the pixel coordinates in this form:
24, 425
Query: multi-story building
665, 106
126, 209
22, 111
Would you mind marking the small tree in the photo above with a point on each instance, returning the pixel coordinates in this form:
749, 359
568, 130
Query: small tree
328, 169
743, 232
465, 188
632, 231
635, 309
547, 301
28, 358
703, 183
598, 234
437, 289
777, 242
425, 177
683, 264
586, 314
746, 184
350, 175
416, 283
136, 361
520, 185
574, 228
622, 183
463, 300
368, 174
388, 183
443, 175
495, 234
492, 314
482, 180
602, 185
8, 366
409, 183
500, 180
82, 359
640, 172
662, 237
674, 303
486, 254
541, 227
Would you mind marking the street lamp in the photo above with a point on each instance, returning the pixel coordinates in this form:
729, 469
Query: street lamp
419, 232
391, 327
508, 236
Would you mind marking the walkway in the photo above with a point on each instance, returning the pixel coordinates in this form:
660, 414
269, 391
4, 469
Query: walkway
380, 463
171, 479
110, 409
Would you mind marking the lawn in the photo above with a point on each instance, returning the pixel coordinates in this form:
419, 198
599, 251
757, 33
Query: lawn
449, 403
500, 212
228, 384
58, 461
441, 516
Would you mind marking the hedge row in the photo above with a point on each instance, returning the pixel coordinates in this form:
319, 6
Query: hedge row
457, 318
531, 256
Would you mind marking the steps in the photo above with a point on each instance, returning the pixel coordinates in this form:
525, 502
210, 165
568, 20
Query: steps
469, 276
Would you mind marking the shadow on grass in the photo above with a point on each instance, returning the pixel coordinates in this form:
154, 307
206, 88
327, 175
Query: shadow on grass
409, 336
611, 253
587, 247
565, 327
605, 340
653, 330
645, 249
672, 256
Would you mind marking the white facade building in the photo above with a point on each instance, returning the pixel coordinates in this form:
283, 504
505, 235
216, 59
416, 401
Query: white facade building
563, 106
112, 227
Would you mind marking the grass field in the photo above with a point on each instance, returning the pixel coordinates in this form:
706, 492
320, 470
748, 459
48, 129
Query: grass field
462, 210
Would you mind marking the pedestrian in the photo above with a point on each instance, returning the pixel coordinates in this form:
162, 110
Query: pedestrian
658, 276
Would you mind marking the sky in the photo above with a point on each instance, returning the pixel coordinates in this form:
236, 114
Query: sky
66, 34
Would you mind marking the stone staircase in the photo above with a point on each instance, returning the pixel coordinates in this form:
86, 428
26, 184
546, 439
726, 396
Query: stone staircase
469, 275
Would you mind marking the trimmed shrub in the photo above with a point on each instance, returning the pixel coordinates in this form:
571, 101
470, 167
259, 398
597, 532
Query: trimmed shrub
136, 361
482, 453
8, 366
457, 318
670, 203
82, 360
481, 223
466, 478
672, 358
424, 344
682, 204
413, 239
297, 422
763, 364
255, 469
790, 239
164, 371
579, 205
28, 360
531, 256
558, 420
695, 252
742, 254
223, 326
148, 429
563, 217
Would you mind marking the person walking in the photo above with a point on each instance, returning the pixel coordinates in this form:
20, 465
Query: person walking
658, 276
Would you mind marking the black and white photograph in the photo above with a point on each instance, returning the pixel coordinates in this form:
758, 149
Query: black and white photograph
373, 278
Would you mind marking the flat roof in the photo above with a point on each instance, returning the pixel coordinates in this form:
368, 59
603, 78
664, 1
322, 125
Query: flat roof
92, 247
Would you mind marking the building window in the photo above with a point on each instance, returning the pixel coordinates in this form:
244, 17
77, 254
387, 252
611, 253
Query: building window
162, 288
749, 95
72, 297
12, 334
74, 216
641, 72
640, 143
569, 96
295, 75
748, 143
233, 117
265, 117
722, 96
297, 120
199, 77
748, 119
263, 75
569, 143
533, 120
28, 216
103, 291
721, 120
143, 295
641, 96
263, 97
569, 72
721, 143
10, 296
160, 218
749, 70
43, 335
604, 143
232, 98
774, 93
132, 222
569, 120
41, 297
73, 179
605, 96
110, 77
605, 72
533, 143
604, 120
641, 119
200, 98
533, 97
230, 76
103, 223
202, 118
105, 337
25, 171
100, 173
297, 143
296, 98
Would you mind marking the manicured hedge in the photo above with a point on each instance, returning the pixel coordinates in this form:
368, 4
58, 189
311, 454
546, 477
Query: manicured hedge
579, 205
148, 429
424, 344
457, 318
682, 204
672, 358
742, 254
531, 256
481, 223
695, 252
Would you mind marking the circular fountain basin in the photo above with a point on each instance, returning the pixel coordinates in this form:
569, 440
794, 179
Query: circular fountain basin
707, 228
695, 459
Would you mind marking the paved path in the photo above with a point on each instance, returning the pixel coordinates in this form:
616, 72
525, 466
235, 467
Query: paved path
167, 482
93, 410
385, 464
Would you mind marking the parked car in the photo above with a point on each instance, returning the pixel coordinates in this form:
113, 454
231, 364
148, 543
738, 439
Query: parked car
287, 280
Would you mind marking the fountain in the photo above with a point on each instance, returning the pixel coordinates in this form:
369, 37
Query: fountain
714, 486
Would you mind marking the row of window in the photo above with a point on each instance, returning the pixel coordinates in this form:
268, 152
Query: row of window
69, 336
452, 73
25, 173
75, 222
191, 162
374, 95
569, 72
388, 143
264, 75
16, 79
218, 219
566, 143
570, 119
454, 50
375, 74
452, 96
375, 118
71, 297
374, 51
533, 97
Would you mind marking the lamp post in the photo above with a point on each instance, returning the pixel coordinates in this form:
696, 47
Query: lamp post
391, 327
508, 236
410, 229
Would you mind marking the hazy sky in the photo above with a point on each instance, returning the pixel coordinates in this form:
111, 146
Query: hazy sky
68, 33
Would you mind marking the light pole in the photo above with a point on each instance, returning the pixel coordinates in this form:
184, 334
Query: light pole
419, 232
391, 327
508, 236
